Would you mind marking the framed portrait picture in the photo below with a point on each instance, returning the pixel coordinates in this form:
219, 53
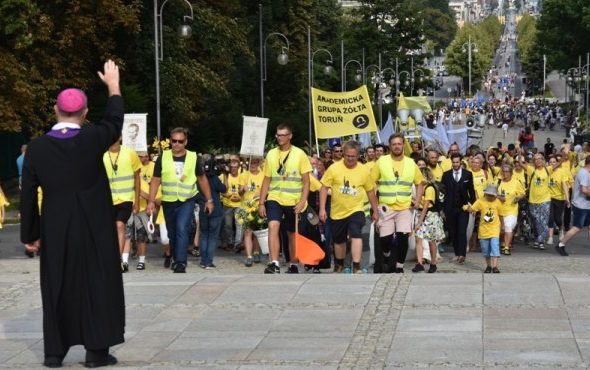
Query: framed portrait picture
134, 131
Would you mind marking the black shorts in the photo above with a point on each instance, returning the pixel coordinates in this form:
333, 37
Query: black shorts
123, 211
350, 226
284, 214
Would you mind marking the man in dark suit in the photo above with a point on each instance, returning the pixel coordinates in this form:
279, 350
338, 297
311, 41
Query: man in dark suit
81, 282
458, 183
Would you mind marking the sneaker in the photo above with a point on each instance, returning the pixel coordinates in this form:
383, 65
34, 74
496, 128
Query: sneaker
338, 269
256, 257
561, 250
506, 251
167, 261
271, 268
210, 267
418, 268
550, 240
124, 267
141, 266
495, 270
542, 246
202, 265
487, 270
179, 268
316, 270
293, 269
536, 245
432, 269
248, 262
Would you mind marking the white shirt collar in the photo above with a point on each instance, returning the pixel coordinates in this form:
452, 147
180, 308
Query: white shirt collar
62, 125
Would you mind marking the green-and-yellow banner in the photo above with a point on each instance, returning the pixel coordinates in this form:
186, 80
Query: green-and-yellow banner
337, 114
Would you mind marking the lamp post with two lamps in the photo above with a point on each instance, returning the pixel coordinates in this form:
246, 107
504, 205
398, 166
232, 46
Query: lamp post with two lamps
468, 48
282, 59
184, 31
327, 70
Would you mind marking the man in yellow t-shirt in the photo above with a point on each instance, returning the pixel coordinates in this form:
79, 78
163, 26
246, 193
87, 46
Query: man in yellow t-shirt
122, 166
395, 175
284, 194
350, 181
433, 165
489, 228
447, 163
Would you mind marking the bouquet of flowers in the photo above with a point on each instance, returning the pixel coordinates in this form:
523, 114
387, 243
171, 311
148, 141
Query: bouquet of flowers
248, 216
160, 145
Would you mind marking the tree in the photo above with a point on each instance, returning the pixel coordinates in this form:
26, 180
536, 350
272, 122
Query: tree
439, 27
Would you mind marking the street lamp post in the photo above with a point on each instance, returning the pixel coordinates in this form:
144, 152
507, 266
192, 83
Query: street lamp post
184, 31
358, 77
327, 70
282, 59
468, 47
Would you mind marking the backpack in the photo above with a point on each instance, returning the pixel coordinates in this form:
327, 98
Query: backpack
439, 196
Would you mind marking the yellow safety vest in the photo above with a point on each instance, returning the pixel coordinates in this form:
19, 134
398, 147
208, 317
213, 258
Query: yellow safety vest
174, 189
394, 189
122, 180
287, 185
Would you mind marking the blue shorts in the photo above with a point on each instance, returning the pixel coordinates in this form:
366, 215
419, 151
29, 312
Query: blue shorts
490, 247
284, 214
581, 217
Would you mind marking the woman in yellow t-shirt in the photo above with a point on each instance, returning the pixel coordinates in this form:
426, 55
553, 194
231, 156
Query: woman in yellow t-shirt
3, 203
539, 199
428, 223
250, 183
559, 190
510, 191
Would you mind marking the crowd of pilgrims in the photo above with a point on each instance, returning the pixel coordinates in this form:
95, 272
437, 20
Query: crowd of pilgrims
523, 177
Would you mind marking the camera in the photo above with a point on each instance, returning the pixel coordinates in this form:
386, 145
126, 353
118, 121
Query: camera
215, 166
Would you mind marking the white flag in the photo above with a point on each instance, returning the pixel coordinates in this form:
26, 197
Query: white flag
253, 136
387, 130
459, 136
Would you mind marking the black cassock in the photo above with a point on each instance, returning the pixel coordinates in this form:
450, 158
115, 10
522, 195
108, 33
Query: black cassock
81, 282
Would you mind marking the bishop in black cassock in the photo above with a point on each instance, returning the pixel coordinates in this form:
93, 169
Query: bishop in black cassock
81, 282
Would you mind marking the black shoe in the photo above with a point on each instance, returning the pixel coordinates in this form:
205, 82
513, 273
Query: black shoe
167, 261
293, 269
271, 268
109, 360
53, 361
399, 270
487, 270
561, 250
180, 268
124, 267
30, 255
495, 270
432, 269
418, 268
141, 266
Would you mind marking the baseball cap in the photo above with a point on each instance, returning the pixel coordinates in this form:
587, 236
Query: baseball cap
71, 100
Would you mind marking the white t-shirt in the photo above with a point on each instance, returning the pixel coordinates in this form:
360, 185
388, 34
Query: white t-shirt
579, 199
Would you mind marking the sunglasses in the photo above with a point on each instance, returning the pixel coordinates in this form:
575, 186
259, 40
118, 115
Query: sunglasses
174, 141
281, 135
337, 151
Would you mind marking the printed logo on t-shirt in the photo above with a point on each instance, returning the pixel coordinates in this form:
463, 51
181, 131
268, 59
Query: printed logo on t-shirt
347, 189
489, 215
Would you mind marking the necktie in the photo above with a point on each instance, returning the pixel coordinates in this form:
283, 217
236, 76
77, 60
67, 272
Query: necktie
456, 176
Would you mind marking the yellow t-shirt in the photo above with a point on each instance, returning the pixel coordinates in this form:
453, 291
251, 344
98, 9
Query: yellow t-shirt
520, 176
510, 190
3, 203
489, 222
252, 183
398, 167
446, 164
233, 191
145, 177
437, 172
480, 181
370, 165
349, 187
429, 195
558, 176
135, 165
539, 184
297, 162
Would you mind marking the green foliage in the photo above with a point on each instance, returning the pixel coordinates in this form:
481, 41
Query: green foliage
531, 54
486, 36
439, 27
563, 29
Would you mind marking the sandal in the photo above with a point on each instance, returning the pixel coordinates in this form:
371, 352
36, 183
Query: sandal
195, 252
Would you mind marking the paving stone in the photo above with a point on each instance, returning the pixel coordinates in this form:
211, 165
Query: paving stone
449, 347
526, 323
540, 351
324, 320
288, 348
532, 289
440, 319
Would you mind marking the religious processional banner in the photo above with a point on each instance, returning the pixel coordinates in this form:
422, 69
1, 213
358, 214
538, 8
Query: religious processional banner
337, 114
253, 136
134, 131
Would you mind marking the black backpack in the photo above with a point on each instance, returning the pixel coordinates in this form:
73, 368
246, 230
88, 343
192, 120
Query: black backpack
439, 196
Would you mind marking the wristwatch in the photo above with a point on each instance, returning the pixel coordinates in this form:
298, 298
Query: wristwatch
209, 200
